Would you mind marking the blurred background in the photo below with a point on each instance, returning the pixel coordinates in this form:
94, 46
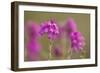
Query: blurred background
83, 24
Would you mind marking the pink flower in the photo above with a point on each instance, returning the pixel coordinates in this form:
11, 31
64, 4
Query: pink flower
76, 38
77, 41
32, 29
33, 45
50, 27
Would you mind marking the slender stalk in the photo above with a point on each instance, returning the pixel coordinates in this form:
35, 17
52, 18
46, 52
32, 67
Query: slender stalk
50, 56
69, 53
50, 50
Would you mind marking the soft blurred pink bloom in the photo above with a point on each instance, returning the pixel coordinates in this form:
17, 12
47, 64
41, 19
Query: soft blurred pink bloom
33, 46
57, 51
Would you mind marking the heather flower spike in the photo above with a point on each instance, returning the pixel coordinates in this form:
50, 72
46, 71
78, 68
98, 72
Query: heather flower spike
32, 29
33, 45
50, 27
76, 37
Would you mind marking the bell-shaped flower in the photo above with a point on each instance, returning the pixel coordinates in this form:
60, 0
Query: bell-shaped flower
50, 27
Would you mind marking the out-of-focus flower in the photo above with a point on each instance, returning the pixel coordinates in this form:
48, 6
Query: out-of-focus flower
70, 26
57, 52
33, 46
33, 50
76, 37
32, 29
50, 27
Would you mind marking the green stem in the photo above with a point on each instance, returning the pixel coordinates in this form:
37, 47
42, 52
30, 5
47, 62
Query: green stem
50, 50
69, 53
50, 56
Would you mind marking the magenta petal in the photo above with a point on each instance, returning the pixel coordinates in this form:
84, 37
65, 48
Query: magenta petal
74, 41
81, 38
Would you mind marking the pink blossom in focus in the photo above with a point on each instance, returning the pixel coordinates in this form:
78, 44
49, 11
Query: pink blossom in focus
50, 27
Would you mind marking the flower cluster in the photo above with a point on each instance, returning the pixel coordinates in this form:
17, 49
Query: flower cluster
50, 27
76, 37
77, 41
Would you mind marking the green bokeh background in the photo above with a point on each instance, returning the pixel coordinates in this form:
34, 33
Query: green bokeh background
83, 24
